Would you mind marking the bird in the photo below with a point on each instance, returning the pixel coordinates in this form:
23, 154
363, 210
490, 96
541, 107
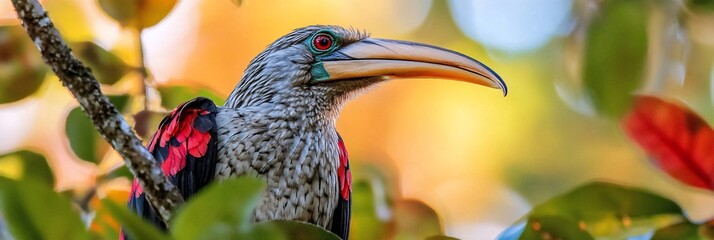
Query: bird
278, 123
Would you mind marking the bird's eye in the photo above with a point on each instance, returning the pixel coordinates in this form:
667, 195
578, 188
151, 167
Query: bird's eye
322, 42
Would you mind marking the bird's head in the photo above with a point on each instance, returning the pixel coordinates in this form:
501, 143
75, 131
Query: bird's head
328, 64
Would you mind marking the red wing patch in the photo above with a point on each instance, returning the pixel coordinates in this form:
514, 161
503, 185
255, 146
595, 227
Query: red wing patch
343, 210
185, 146
181, 136
343, 171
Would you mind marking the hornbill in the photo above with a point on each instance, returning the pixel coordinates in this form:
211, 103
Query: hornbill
279, 122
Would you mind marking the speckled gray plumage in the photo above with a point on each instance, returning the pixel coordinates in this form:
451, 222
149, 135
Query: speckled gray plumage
298, 161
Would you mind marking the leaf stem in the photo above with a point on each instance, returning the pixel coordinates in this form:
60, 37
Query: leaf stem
142, 70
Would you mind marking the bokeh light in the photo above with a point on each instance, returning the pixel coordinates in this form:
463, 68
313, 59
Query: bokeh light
511, 25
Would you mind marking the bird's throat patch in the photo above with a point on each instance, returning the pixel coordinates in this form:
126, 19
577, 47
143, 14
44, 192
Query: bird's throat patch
319, 73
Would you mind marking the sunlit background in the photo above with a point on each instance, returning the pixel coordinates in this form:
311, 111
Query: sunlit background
479, 159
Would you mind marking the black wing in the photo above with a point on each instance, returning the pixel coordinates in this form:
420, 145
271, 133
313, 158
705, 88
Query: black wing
185, 146
341, 217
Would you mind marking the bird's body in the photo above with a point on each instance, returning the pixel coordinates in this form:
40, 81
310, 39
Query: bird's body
299, 162
279, 122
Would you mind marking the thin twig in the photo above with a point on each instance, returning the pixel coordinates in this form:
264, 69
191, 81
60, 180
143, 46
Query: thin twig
162, 195
142, 70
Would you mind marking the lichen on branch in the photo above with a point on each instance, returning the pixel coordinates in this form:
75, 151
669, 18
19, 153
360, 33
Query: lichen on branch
162, 195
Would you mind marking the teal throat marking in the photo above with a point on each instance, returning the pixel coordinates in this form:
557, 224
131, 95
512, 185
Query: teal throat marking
319, 73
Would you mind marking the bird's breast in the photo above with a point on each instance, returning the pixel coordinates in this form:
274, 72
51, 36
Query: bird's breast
299, 165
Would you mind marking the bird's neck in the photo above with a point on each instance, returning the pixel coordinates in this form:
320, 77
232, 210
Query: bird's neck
321, 111
314, 112
315, 105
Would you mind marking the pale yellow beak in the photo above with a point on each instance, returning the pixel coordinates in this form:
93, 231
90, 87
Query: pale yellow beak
373, 57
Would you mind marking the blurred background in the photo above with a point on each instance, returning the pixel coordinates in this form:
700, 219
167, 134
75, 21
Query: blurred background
479, 159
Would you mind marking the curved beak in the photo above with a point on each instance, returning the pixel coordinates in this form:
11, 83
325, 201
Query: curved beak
374, 57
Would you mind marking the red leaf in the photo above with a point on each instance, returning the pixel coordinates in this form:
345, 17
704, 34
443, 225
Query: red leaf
679, 141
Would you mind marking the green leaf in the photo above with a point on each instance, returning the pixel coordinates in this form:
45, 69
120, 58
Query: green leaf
682, 231
610, 210
172, 96
223, 211
135, 226
441, 237
374, 189
107, 231
607, 208
707, 5
83, 137
33, 210
366, 220
139, 14
22, 70
122, 171
26, 164
299, 230
551, 227
615, 55
415, 220
119, 101
107, 67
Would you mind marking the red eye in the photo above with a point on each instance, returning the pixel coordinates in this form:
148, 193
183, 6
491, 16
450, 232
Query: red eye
322, 42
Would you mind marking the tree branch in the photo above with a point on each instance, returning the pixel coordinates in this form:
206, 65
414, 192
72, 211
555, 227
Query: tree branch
162, 195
